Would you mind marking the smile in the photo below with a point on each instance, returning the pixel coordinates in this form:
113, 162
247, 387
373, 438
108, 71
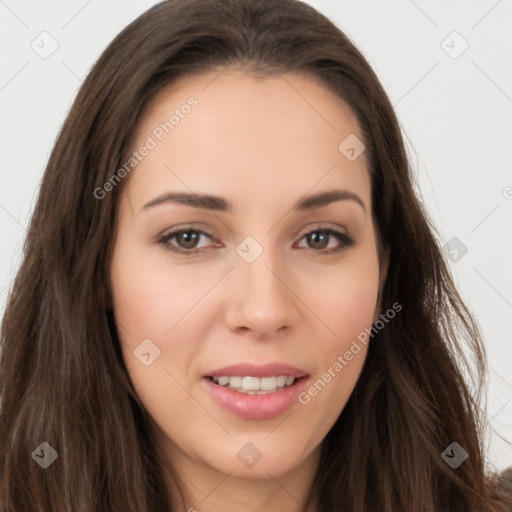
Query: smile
254, 385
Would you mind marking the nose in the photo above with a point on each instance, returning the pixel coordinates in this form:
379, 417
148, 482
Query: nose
261, 298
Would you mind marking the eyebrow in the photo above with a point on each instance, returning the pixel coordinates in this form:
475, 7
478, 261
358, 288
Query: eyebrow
219, 204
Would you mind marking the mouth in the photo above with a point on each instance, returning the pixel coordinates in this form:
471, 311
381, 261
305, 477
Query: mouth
251, 385
252, 397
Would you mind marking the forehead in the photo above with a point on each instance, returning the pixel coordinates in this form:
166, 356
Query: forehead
279, 133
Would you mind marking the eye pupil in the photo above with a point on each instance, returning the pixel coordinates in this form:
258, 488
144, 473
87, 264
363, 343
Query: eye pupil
319, 239
190, 237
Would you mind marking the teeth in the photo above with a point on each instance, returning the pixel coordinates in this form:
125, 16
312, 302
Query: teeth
255, 385
269, 383
235, 382
281, 381
250, 383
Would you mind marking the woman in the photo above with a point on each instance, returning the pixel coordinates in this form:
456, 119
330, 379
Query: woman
230, 296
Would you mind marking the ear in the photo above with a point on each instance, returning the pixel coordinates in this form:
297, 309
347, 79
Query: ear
384, 266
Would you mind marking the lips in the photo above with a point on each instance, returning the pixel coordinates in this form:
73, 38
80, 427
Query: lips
256, 405
252, 370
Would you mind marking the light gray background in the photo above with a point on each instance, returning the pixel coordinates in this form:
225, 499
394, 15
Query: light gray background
455, 111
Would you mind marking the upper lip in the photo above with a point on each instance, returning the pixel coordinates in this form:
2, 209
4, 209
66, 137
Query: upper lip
253, 370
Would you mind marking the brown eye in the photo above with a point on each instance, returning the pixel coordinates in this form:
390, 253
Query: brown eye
320, 239
185, 240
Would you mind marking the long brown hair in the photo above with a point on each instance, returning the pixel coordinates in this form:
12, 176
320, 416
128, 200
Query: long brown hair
62, 376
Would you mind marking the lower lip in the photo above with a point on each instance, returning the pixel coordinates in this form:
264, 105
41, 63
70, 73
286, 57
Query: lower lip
255, 407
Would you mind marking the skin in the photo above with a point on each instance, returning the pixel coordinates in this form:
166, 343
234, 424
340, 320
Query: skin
262, 145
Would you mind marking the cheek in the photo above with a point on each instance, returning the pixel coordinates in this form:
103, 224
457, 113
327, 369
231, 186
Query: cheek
352, 309
149, 296
151, 302
344, 299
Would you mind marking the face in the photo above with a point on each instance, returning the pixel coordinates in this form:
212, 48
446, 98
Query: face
237, 315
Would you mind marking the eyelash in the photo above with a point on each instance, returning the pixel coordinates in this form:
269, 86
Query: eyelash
345, 239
